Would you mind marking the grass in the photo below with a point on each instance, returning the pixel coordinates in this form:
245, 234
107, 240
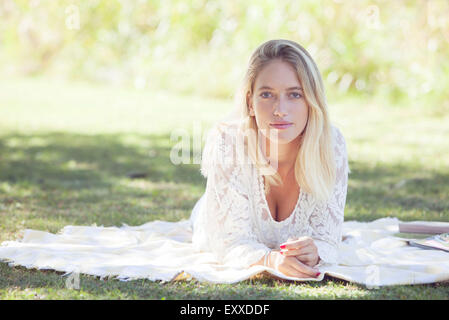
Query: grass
66, 150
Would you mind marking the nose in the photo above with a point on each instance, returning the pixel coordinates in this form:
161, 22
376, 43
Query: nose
280, 108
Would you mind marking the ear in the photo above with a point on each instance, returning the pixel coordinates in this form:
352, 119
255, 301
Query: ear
249, 103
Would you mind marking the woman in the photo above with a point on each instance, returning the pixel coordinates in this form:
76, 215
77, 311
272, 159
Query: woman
275, 194
281, 209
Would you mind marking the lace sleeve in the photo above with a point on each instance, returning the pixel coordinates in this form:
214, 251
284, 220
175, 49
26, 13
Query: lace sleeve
225, 224
327, 219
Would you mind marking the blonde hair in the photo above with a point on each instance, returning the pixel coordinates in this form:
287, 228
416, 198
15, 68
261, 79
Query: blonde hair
315, 169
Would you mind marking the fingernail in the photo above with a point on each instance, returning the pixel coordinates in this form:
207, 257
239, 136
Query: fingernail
317, 274
282, 246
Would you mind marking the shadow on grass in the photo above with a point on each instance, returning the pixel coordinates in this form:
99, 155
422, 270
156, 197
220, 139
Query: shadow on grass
54, 179
402, 190
92, 160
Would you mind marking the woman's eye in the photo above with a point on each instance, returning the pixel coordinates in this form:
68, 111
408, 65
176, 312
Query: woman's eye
265, 94
296, 95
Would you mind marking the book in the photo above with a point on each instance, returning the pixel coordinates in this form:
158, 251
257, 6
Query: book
413, 235
439, 241
424, 227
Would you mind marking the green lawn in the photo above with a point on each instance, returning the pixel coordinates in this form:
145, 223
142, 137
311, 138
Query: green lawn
66, 150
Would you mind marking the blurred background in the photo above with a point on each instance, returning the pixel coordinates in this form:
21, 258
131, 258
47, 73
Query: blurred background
394, 48
91, 91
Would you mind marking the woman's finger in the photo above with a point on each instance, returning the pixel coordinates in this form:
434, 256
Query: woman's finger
298, 265
297, 252
307, 257
291, 252
292, 272
297, 244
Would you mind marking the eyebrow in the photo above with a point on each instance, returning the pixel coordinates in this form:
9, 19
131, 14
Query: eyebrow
269, 88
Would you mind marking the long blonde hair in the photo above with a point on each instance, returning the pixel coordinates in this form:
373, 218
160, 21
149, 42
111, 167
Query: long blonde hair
315, 168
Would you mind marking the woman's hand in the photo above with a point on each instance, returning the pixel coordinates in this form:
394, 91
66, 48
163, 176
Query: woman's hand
291, 266
303, 248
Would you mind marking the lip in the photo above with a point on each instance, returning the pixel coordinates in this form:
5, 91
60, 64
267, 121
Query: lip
281, 124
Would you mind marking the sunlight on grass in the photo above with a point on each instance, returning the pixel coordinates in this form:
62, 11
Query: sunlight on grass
87, 108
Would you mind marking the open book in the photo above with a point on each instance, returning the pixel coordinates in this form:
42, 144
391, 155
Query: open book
425, 234
439, 241
424, 227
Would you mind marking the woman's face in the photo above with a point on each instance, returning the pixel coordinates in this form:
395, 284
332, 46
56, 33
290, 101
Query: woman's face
277, 98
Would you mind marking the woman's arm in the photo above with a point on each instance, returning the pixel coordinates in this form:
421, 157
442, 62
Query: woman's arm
225, 225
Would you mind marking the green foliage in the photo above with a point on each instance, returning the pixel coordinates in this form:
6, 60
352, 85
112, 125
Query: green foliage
397, 49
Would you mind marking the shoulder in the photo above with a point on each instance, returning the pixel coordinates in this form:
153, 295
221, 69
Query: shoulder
228, 131
340, 147
221, 147
338, 138
223, 138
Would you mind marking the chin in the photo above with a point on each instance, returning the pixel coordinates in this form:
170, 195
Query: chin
280, 136
283, 138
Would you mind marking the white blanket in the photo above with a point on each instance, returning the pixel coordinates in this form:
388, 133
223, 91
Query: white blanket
161, 250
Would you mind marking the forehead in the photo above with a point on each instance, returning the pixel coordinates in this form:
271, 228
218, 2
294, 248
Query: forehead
277, 74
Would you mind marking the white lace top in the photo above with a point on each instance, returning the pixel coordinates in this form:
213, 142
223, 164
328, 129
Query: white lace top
234, 221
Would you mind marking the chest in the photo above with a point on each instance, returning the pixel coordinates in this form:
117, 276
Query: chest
283, 199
